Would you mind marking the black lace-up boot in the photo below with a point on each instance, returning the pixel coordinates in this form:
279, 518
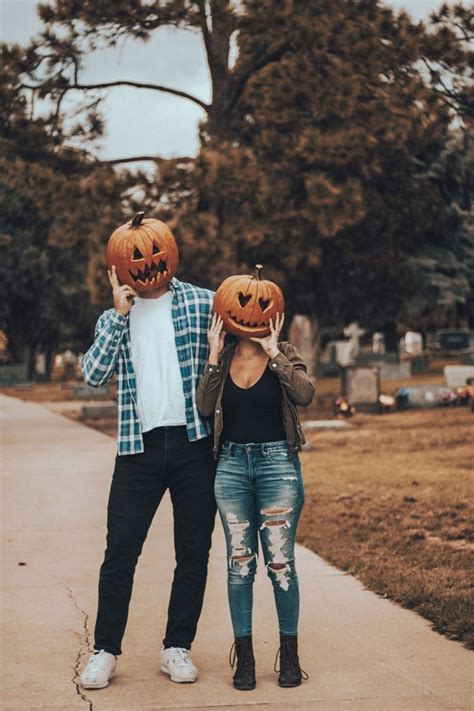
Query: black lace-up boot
242, 652
290, 672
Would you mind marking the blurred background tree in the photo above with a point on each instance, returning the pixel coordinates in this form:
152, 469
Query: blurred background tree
335, 150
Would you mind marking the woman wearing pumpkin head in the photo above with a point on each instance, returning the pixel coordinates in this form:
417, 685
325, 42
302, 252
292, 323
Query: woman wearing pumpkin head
251, 385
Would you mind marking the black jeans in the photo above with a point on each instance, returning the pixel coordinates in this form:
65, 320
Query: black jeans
187, 468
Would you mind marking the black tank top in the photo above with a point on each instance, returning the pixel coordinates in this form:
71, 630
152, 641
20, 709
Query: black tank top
253, 414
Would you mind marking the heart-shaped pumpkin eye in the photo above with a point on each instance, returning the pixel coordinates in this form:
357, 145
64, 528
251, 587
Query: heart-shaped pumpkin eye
156, 249
137, 254
244, 299
265, 303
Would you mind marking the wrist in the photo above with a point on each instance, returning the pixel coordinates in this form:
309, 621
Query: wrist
213, 358
120, 312
272, 352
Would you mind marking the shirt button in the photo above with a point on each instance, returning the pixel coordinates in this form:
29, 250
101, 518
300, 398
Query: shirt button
218, 412
274, 365
211, 369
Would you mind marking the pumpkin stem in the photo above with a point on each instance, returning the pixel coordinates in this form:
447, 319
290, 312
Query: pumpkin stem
137, 220
258, 270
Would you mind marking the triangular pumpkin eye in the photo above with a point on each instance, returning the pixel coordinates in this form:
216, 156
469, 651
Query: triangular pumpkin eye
137, 254
264, 303
244, 299
156, 249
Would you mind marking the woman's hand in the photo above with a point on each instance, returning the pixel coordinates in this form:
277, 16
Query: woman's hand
270, 343
215, 337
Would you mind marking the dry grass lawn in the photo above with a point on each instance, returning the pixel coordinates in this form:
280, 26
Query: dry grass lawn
391, 501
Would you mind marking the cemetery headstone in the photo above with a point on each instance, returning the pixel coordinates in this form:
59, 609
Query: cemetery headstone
353, 332
413, 342
11, 375
378, 342
361, 386
302, 334
87, 392
99, 411
453, 340
456, 376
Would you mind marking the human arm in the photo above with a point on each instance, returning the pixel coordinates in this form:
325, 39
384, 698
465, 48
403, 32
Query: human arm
289, 366
98, 363
208, 388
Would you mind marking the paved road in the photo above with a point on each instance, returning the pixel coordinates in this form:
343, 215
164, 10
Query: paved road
362, 652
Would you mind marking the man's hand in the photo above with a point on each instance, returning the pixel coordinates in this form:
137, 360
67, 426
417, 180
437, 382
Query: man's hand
123, 295
216, 339
270, 343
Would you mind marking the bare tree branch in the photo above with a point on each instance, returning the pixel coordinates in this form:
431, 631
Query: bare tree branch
132, 159
136, 85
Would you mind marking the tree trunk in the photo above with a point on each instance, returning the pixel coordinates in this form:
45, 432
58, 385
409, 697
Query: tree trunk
31, 363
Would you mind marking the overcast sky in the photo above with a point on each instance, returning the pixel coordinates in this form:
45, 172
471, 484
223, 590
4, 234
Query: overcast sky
140, 121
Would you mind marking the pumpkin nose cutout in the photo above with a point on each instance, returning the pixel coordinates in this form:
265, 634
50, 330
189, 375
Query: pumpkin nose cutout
264, 303
244, 299
156, 249
137, 254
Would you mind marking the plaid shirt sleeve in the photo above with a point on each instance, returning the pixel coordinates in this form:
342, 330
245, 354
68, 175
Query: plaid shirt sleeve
99, 363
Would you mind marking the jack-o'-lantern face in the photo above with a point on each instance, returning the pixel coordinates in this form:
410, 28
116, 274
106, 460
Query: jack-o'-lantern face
144, 253
247, 303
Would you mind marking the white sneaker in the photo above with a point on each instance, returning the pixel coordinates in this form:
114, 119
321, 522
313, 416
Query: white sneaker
99, 669
176, 662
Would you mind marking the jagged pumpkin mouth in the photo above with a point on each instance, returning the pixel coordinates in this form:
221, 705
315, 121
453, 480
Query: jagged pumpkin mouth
151, 273
246, 324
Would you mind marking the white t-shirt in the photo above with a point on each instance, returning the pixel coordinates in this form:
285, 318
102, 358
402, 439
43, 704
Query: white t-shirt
160, 397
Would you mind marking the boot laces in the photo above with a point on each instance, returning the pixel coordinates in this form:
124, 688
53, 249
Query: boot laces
291, 661
244, 659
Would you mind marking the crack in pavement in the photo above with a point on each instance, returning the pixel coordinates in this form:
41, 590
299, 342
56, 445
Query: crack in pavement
81, 652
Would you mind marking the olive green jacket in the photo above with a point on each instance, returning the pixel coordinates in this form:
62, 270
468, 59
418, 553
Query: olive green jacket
296, 386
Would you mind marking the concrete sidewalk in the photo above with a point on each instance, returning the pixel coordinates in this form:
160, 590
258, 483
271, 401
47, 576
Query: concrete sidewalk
361, 652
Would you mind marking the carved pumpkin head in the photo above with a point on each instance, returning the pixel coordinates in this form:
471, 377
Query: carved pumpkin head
247, 303
144, 253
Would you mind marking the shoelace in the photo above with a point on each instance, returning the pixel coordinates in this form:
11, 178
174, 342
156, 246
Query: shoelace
292, 662
181, 656
244, 662
97, 660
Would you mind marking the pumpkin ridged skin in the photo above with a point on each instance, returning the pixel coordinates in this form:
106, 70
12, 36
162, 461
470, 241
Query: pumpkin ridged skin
146, 236
256, 322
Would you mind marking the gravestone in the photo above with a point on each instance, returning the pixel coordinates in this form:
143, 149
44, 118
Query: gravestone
87, 392
387, 363
378, 342
395, 371
453, 340
413, 342
303, 335
353, 332
100, 410
11, 375
361, 386
467, 357
456, 376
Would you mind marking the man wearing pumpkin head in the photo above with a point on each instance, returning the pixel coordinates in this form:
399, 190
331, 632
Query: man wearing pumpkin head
155, 341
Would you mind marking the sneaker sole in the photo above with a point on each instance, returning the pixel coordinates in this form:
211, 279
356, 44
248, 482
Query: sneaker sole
95, 686
165, 670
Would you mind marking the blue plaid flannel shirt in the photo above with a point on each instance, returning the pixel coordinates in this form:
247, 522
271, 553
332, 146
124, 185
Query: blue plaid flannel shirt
111, 353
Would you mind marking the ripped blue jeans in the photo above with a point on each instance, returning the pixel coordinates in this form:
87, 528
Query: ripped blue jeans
259, 493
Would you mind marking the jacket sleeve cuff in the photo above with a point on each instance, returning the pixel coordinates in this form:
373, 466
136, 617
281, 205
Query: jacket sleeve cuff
212, 370
279, 361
